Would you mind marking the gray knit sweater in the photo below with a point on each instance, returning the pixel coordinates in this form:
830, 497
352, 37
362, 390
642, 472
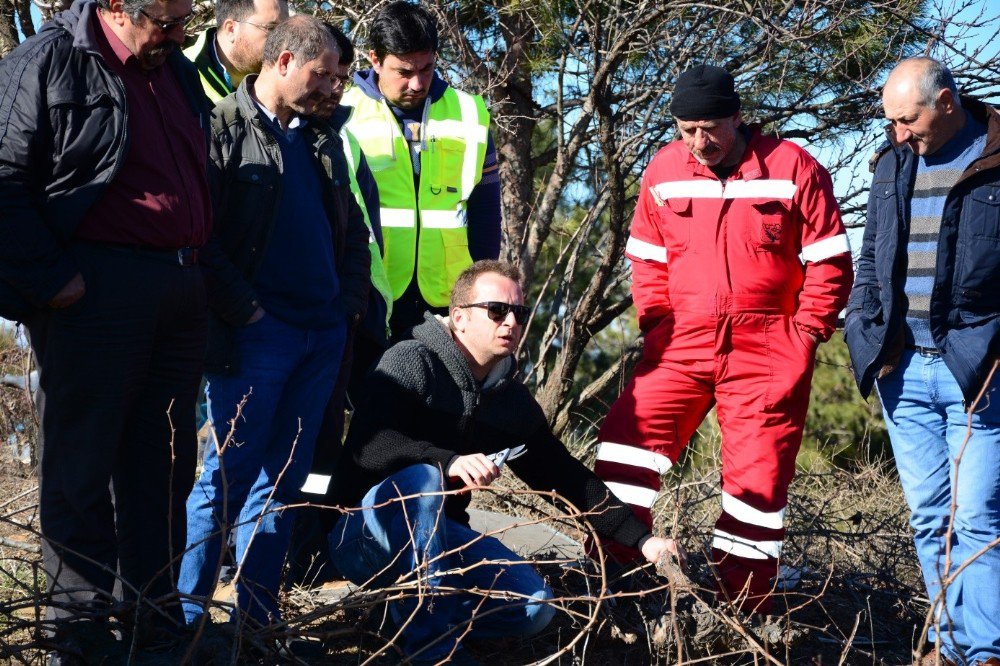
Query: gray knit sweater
424, 406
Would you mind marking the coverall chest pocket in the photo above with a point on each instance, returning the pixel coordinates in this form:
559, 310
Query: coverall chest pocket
674, 219
983, 213
769, 222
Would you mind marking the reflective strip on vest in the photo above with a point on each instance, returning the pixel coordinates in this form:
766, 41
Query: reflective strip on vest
443, 219
399, 218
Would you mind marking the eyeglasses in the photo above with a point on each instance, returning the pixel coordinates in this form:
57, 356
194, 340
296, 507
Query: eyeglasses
266, 28
498, 311
171, 23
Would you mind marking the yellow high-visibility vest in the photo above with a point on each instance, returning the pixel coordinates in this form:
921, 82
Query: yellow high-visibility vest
379, 278
200, 53
425, 231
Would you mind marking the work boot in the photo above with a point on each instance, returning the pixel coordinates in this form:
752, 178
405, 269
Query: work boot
86, 643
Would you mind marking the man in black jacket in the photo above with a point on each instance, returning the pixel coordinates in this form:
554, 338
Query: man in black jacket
293, 274
436, 409
104, 207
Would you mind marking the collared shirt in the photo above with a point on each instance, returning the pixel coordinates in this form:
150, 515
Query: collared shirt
159, 195
294, 123
217, 63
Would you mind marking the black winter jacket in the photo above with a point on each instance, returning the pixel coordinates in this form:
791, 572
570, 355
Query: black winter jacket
965, 302
245, 180
63, 135
422, 405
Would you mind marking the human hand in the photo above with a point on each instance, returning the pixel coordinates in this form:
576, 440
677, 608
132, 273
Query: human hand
71, 292
474, 469
257, 315
657, 548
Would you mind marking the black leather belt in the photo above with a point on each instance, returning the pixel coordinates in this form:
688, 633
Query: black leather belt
185, 256
924, 351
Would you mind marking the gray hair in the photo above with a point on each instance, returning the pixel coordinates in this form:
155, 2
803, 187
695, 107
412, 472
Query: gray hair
934, 77
131, 8
306, 37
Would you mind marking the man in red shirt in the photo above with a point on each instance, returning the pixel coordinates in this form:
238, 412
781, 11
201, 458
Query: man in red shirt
740, 265
104, 205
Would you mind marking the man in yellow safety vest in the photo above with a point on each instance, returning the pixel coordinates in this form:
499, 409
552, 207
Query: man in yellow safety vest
429, 148
225, 54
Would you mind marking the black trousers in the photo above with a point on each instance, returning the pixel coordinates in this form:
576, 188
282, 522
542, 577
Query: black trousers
118, 376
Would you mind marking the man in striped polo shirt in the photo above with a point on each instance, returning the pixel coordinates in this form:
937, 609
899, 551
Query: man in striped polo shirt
922, 325
740, 265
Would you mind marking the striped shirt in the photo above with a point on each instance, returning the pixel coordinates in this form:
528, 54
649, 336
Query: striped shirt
936, 175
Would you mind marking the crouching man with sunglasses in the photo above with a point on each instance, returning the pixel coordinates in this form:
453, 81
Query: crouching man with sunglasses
441, 410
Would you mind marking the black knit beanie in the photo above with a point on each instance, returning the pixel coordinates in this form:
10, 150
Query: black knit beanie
704, 92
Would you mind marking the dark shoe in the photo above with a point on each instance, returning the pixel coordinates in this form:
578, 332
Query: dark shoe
218, 644
294, 649
86, 643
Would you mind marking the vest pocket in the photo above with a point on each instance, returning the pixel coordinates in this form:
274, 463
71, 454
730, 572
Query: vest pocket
444, 163
456, 250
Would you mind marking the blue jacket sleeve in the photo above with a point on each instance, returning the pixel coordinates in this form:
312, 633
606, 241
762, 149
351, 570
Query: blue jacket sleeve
484, 209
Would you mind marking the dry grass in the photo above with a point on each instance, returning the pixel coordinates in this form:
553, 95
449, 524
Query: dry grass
859, 600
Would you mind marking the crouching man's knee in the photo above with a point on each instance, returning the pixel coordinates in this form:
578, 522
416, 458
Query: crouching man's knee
538, 613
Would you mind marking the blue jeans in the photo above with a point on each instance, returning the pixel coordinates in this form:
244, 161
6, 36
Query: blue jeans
374, 546
288, 374
927, 424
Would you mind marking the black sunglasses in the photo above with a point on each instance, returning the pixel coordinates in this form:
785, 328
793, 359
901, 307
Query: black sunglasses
498, 311
167, 25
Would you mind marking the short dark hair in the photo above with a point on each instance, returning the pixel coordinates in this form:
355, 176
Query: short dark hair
232, 9
343, 43
403, 27
305, 36
461, 292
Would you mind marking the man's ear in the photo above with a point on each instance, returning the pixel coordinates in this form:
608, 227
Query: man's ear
376, 63
116, 9
284, 62
458, 318
227, 30
946, 100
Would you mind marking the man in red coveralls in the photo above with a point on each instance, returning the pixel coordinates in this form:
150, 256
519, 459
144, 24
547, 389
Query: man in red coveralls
740, 265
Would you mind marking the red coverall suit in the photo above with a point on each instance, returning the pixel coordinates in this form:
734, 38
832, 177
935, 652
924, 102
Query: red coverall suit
731, 281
